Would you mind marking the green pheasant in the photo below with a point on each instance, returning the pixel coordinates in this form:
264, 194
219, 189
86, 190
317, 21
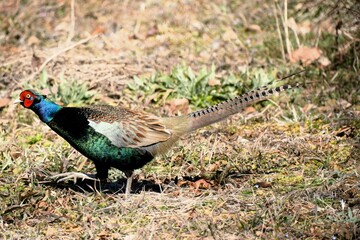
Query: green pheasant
124, 139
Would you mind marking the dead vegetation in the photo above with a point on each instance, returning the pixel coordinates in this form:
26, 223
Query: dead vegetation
287, 168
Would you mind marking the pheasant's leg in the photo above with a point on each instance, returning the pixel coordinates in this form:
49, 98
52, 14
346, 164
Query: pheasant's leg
102, 171
129, 175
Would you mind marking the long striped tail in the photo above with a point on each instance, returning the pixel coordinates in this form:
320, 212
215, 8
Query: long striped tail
227, 108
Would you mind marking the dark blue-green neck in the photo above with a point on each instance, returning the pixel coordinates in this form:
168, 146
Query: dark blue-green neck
45, 109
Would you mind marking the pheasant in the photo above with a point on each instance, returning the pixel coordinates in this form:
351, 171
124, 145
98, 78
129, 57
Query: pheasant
124, 139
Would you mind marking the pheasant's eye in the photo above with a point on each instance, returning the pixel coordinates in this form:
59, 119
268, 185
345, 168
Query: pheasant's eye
27, 95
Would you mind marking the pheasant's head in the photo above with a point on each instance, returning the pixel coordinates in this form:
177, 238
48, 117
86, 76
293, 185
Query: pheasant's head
29, 98
44, 108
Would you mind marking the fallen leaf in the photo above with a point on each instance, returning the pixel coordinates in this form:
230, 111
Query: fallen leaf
263, 185
215, 166
343, 103
201, 184
253, 28
249, 110
324, 61
152, 31
15, 154
4, 102
175, 193
75, 229
51, 231
214, 82
178, 105
42, 204
98, 30
36, 61
304, 54
70, 226
32, 40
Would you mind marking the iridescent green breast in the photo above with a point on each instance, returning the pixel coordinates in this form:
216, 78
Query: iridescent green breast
72, 124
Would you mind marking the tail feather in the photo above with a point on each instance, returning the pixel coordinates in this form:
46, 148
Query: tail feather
225, 109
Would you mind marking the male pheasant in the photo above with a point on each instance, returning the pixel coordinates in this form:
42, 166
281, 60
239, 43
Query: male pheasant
124, 139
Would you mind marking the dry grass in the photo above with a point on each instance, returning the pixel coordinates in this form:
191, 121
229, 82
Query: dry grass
286, 169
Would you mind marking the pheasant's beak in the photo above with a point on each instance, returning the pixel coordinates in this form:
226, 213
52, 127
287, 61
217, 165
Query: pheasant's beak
17, 101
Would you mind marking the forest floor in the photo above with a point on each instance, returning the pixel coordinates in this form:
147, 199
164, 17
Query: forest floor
287, 168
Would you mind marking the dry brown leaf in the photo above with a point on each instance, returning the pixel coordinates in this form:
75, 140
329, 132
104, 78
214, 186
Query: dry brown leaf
214, 82
16, 154
253, 28
304, 54
215, 166
36, 61
152, 31
263, 184
343, 103
42, 204
4, 102
74, 228
178, 105
32, 40
98, 30
201, 184
51, 231
71, 226
249, 110
324, 61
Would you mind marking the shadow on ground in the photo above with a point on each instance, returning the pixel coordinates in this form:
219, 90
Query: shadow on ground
138, 186
116, 187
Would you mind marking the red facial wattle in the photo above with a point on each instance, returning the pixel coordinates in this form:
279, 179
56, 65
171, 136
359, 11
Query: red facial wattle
27, 98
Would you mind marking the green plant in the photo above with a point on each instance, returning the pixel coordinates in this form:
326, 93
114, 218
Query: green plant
67, 91
73, 91
202, 89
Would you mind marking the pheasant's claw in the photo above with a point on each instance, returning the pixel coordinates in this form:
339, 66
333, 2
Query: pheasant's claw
72, 175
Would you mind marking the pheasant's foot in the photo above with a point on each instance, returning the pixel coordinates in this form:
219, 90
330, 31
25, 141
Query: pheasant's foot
73, 175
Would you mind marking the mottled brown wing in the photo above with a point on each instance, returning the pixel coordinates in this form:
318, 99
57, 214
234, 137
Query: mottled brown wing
125, 128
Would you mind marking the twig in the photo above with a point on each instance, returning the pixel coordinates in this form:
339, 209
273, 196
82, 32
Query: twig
72, 23
58, 53
286, 29
279, 33
296, 36
14, 207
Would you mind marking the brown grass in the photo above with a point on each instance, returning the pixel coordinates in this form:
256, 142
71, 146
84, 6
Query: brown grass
286, 169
